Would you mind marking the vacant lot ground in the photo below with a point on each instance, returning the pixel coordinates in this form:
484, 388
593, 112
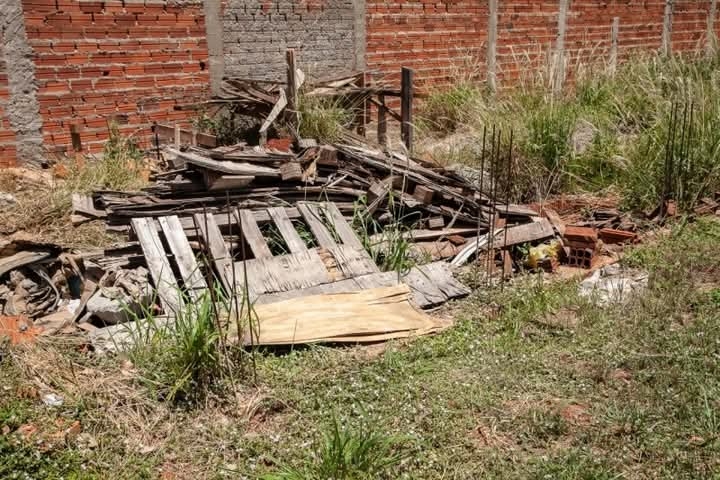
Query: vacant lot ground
532, 382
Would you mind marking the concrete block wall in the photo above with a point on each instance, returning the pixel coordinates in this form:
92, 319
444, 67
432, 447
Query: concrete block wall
256, 35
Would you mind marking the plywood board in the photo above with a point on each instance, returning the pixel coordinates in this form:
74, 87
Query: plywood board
356, 317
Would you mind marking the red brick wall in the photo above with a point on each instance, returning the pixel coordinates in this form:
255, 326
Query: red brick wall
525, 31
434, 37
7, 137
437, 38
96, 59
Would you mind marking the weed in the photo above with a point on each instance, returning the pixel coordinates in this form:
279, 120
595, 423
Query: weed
390, 244
446, 110
322, 118
348, 455
183, 359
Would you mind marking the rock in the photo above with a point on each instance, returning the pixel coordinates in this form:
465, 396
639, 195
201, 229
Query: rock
125, 299
7, 200
53, 400
112, 311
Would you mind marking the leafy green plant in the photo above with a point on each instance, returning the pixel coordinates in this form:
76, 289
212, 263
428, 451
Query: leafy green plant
344, 454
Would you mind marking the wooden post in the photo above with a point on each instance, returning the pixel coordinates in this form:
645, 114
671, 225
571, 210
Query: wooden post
362, 107
292, 93
406, 107
559, 77
382, 121
177, 136
711, 35
614, 34
492, 46
666, 45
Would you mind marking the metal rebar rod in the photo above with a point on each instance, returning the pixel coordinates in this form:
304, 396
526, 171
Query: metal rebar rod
507, 205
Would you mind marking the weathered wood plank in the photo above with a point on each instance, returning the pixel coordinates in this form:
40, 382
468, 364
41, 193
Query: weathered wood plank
286, 229
342, 228
20, 259
158, 264
215, 245
253, 235
184, 256
282, 273
312, 216
343, 261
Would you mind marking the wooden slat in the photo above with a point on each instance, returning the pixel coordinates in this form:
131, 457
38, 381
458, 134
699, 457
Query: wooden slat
184, 256
343, 262
253, 235
282, 273
342, 228
442, 279
160, 270
287, 229
215, 245
312, 216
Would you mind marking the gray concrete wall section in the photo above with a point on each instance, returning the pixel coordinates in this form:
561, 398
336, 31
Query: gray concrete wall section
256, 35
23, 110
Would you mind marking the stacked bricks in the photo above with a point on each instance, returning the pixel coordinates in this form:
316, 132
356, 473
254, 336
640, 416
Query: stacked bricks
440, 39
7, 136
96, 60
581, 246
256, 35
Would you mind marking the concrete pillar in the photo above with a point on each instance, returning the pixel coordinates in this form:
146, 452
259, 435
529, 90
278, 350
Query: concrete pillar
214, 33
359, 31
666, 42
23, 109
559, 77
492, 45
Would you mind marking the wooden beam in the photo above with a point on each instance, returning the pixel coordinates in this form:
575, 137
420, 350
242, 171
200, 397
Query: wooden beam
559, 78
382, 121
614, 35
666, 41
406, 109
711, 46
292, 93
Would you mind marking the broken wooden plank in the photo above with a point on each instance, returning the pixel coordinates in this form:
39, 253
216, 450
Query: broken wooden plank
160, 270
313, 217
20, 259
83, 209
218, 182
435, 223
287, 229
343, 261
279, 106
340, 225
184, 257
423, 194
291, 172
214, 244
252, 234
226, 166
280, 274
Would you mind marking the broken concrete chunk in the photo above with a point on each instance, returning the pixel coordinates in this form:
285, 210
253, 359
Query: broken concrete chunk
127, 294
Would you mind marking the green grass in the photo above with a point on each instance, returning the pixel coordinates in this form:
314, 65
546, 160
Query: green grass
625, 391
628, 113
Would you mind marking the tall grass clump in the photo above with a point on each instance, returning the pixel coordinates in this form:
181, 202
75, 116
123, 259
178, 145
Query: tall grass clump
389, 244
692, 85
322, 118
345, 454
449, 109
183, 358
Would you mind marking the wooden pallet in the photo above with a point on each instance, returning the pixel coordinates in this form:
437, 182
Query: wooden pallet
338, 263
